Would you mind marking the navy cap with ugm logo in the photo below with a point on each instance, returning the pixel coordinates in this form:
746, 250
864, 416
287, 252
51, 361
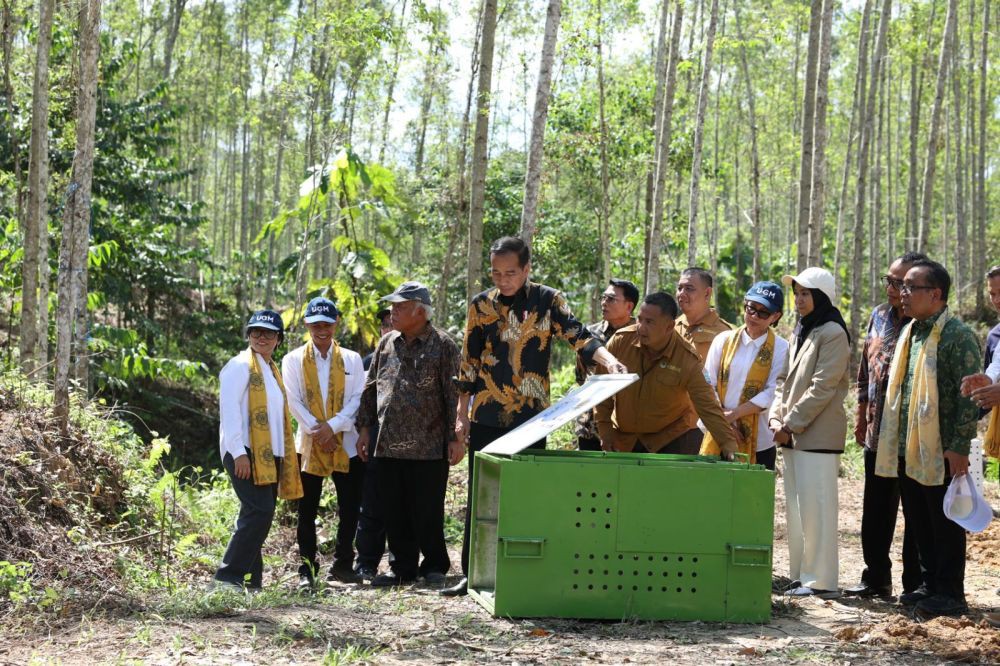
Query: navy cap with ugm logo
321, 310
767, 293
268, 319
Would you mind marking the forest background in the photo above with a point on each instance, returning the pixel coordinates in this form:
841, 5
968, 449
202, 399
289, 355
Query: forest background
167, 166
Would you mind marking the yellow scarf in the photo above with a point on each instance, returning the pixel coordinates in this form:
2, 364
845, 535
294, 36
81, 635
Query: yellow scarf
316, 461
262, 457
992, 443
754, 384
924, 453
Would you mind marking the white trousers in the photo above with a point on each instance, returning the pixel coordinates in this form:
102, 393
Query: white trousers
811, 511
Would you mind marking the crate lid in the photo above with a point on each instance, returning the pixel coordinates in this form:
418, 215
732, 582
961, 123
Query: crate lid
595, 390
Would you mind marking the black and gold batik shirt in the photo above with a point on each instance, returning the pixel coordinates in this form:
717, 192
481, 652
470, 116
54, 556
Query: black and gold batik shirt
508, 346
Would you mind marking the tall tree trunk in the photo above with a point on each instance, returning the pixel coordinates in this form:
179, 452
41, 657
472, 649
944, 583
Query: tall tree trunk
428, 91
71, 344
279, 162
817, 204
652, 277
393, 77
860, 78
944, 59
173, 29
754, 154
533, 176
865, 122
36, 232
808, 128
961, 277
699, 135
9, 109
477, 197
980, 199
604, 271
660, 77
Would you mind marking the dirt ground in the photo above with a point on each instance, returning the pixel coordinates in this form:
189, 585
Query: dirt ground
352, 624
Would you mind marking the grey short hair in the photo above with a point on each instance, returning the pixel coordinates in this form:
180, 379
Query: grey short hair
428, 310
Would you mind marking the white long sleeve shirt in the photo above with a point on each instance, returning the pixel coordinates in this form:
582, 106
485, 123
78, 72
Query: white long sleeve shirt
295, 384
993, 371
234, 407
738, 370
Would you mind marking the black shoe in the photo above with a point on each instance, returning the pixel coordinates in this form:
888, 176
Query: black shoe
392, 580
459, 589
435, 579
938, 605
344, 575
914, 597
305, 584
366, 574
866, 590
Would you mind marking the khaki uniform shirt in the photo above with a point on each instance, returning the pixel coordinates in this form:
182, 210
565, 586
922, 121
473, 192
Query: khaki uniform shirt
671, 393
701, 334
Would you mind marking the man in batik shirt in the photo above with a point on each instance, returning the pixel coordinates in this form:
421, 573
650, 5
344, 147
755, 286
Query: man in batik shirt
505, 360
881, 495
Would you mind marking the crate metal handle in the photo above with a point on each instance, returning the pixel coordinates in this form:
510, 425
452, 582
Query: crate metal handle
523, 548
746, 556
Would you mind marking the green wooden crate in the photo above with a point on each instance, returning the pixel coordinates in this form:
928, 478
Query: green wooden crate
583, 534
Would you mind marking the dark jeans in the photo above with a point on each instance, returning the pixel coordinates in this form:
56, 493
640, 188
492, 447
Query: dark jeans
479, 437
878, 524
588, 444
688, 444
767, 457
242, 556
411, 494
349, 486
940, 542
370, 541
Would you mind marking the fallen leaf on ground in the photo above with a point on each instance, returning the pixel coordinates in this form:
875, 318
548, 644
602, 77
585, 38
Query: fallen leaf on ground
539, 632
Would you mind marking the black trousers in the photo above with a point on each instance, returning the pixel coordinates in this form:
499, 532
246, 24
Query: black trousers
349, 486
242, 563
370, 541
767, 457
411, 495
878, 524
479, 437
940, 542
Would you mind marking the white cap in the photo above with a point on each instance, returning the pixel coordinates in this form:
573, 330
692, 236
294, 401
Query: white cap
956, 505
815, 278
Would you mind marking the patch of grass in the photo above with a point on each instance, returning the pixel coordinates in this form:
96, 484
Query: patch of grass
197, 602
350, 654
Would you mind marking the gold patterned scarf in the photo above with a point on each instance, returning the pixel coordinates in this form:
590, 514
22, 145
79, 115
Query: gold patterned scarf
924, 451
756, 379
315, 460
992, 443
265, 470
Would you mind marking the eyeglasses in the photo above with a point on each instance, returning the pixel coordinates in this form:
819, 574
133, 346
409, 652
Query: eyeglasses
759, 313
263, 334
910, 288
608, 298
889, 281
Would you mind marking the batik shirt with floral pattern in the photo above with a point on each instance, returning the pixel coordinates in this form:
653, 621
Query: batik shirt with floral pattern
508, 346
958, 356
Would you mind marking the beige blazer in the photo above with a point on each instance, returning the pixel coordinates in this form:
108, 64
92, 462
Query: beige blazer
812, 388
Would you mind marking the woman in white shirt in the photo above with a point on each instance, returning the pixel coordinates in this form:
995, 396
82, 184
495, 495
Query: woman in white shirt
254, 440
743, 365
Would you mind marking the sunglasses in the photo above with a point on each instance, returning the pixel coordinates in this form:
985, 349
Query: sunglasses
759, 313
